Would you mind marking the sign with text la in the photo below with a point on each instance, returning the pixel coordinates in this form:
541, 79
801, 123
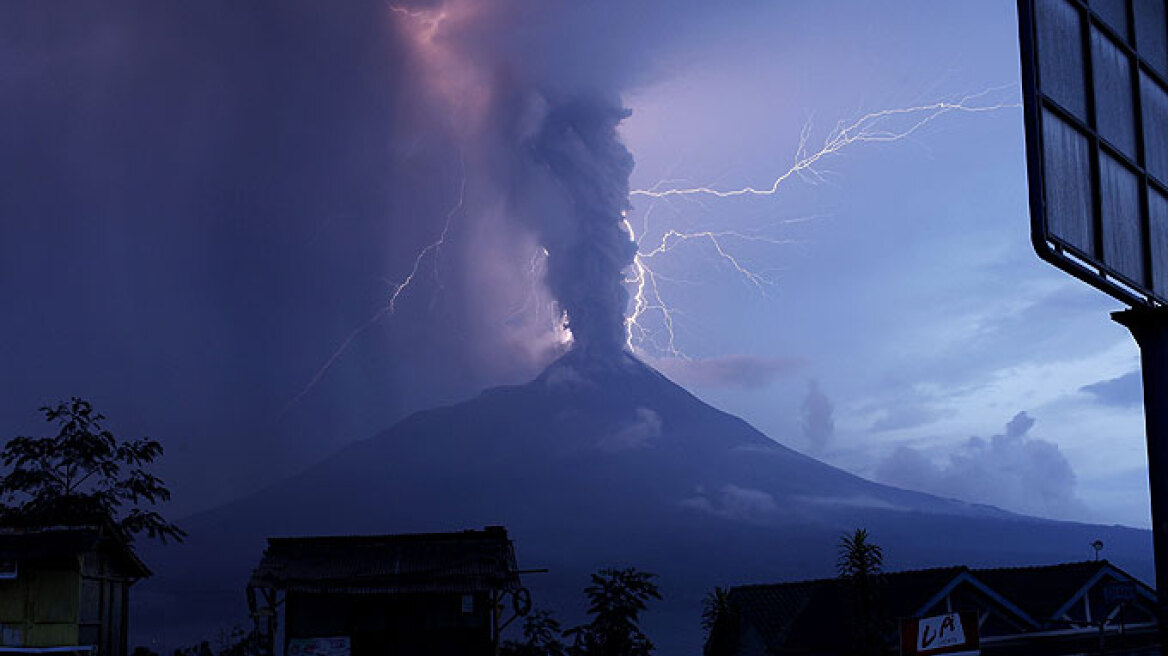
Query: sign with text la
1095, 89
952, 633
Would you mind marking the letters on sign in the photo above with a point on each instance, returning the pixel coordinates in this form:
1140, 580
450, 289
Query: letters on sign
940, 631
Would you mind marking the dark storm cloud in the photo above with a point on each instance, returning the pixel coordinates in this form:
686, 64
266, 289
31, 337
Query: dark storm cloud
1124, 391
200, 202
582, 170
1011, 470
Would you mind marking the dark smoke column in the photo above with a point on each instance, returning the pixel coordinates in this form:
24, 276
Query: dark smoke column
589, 248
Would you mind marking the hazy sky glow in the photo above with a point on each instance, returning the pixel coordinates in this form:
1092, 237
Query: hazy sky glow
199, 206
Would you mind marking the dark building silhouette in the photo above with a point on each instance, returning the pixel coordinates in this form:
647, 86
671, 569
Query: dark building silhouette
66, 590
1058, 609
427, 593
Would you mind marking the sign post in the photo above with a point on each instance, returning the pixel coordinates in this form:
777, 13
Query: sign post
1149, 327
1095, 90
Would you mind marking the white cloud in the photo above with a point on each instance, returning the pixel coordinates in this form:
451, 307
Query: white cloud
638, 434
1011, 470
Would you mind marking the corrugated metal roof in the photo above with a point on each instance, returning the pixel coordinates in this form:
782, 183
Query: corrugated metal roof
1043, 589
467, 561
809, 614
57, 541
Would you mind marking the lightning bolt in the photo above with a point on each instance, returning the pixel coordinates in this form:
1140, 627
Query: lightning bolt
431, 249
869, 128
430, 21
881, 126
434, 246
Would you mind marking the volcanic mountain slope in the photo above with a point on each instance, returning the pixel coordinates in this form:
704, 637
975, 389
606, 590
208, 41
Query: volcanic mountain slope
602, 462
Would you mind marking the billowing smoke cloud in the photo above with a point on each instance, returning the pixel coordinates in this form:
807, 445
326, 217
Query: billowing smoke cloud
1011, 470
818, 417
253, 181
577, 144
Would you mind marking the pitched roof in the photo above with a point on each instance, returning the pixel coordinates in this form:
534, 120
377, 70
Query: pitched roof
467, 561
1044, 590
806, 615
61, 541
809, 614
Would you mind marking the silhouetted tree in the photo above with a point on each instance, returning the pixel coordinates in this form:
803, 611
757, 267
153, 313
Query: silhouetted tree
720, 622
201, 649
541, 637
615, 601
83, 475
237, 642
859, 566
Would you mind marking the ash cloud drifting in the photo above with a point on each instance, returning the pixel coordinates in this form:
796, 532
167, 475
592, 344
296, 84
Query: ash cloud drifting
577, 145
1011, 470
818, 415
252, 180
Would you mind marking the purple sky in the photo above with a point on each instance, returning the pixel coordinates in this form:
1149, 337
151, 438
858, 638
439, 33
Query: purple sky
200, 203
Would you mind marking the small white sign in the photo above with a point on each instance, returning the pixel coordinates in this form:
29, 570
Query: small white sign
939, 632
338, 646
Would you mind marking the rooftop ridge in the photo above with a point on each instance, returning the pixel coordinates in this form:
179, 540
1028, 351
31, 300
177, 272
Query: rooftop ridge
1007, 568
489, 532
922, 570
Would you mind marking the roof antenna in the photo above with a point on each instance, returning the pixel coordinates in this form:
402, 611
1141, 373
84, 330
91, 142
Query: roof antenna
1097, 546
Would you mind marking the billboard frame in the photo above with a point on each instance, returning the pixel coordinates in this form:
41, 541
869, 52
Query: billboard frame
1088, 267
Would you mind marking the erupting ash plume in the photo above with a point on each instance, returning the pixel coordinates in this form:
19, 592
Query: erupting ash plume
539, 217
588, 248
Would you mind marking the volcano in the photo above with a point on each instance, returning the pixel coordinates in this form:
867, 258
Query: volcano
599, 462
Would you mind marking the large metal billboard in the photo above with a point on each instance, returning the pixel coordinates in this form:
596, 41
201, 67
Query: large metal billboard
1095, 83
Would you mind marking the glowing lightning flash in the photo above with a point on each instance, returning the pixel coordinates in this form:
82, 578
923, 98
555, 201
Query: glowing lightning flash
866, 129
432, 247
400, 288
870, 128
430, 21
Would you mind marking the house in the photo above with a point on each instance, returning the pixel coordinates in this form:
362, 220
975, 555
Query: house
1075, 604
1056, 609
66, 589
817, 617
427, 593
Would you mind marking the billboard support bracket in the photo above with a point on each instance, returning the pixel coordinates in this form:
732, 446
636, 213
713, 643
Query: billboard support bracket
1149, 327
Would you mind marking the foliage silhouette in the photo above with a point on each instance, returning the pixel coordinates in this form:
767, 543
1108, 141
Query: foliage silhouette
83, 475
541, 637
239, 642
720, 622
859, 566
616, 599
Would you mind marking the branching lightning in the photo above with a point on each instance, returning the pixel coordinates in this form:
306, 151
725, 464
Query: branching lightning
465, 95
433, 247
869, 128
421, 27
430, 21
430, 250
882, 126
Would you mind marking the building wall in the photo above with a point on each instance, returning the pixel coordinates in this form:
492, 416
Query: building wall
102, 612
39, 607
380, 624
65, 602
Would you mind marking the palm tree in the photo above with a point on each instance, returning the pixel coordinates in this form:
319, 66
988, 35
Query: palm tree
720, 620
859, 566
